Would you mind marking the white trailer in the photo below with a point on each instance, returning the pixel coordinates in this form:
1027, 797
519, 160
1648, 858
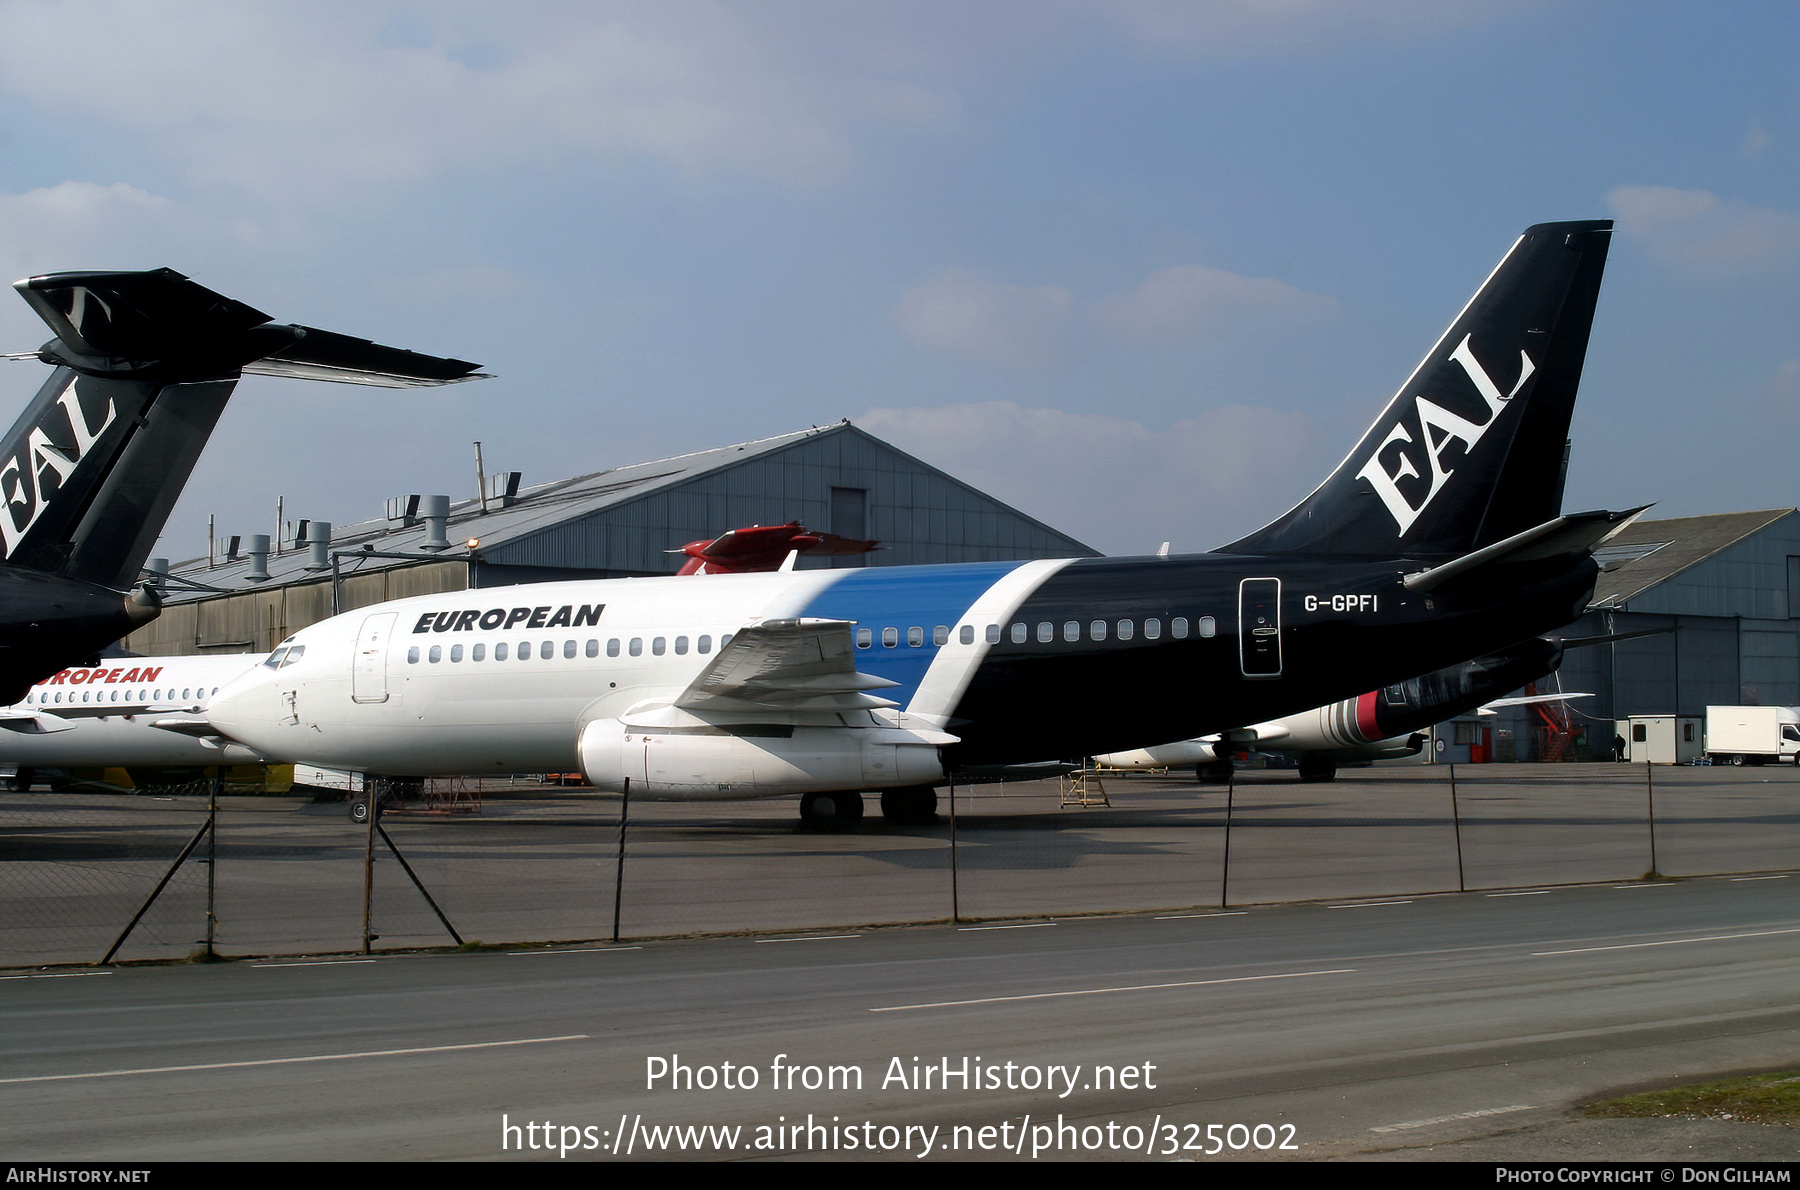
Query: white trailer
1752, 735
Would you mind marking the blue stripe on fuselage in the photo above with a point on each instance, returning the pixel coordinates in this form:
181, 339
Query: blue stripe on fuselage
902, 597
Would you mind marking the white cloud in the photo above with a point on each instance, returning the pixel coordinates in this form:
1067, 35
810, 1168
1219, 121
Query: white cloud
81, 225
313, 103
1187, 302
1698, 229
1115, 483
1010, 325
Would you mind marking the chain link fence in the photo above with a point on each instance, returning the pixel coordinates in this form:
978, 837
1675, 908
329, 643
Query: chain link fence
88, 872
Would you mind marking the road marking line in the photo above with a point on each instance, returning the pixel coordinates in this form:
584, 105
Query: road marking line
1186, 916
1461, 1115
1142, 987
1029, 925
1542, 892
1366, 904
575, 950
325, 963
1737, 879
1622, 887
423, 1049
1668, 942
809, 938
57, 975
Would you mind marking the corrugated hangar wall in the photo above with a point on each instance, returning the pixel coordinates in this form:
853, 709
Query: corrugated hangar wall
918, 513
256, 620
1723, 626
623, 523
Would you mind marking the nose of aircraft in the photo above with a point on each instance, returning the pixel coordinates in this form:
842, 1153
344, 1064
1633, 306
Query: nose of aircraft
242, 710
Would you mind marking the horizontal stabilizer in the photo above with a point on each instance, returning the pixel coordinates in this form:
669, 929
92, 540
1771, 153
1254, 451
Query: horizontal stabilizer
159, 325
1565, 536
326, 355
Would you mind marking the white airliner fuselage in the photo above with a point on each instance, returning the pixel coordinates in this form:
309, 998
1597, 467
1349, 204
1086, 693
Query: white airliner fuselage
101, 716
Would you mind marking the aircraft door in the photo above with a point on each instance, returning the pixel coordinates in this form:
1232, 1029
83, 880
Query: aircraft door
368, 680
1259, 627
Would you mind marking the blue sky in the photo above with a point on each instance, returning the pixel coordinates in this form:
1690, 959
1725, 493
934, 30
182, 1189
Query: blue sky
1143, 269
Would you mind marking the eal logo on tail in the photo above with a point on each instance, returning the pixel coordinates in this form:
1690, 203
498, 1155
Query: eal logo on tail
25, 483
1449, 427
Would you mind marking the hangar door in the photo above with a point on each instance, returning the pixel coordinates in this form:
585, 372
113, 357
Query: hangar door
368, 680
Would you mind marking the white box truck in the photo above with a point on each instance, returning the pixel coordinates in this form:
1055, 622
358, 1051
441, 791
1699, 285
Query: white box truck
1752, 735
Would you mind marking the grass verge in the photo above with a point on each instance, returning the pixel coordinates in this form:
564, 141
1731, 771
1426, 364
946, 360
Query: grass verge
1772, 1098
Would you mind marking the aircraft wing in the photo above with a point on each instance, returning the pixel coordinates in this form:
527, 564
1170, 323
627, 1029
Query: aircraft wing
33, 723
786, 665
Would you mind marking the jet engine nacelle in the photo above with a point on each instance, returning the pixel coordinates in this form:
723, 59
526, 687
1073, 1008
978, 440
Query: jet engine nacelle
753, 761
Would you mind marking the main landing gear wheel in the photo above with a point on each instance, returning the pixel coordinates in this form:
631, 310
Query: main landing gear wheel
830, 811
914, 806
1317, 768
1216, 772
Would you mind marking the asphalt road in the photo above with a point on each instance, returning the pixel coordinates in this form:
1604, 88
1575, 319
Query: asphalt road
1455, 1025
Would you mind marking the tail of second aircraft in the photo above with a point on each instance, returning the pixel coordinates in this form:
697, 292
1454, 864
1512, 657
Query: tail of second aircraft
145, 362
1470, 451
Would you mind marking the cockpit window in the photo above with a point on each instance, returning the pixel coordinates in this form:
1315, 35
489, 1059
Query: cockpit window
274, 661
294, 654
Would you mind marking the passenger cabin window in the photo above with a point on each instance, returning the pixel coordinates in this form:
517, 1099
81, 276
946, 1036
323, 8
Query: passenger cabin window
1178, 628
547, 650
436, 655
412, 658
1125, 630
612, 647
966, 634
660, 645
1209, 627
1019, 632
864, 637
890, 637
478, 653
568, 649
1046, 633
993, 634
1152, 629
681, 646
593, 648
1072, 630
500, 651
705, 644
456, 652
637, 646
915, 636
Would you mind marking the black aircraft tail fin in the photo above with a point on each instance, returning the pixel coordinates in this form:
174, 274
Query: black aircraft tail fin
145, 363
1470, 450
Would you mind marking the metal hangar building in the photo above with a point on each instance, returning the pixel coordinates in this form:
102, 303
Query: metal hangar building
254, 591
